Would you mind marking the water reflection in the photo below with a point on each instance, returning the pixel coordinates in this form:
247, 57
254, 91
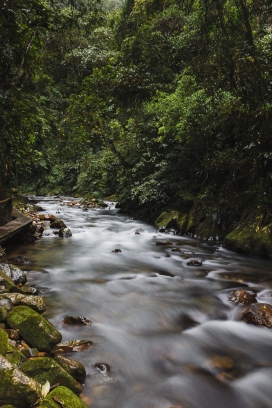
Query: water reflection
167, 331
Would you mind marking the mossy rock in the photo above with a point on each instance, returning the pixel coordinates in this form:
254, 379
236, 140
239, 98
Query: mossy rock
16, 388
168, 219
73, 367
47, 369
3, 314
34, 329
208, 229
3, 342
14, 356
62, 396
251, 239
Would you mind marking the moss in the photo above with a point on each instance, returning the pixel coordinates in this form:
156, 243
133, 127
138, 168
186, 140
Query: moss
46, 369
168, 219
208, 229
16, 388
3, 342
251, 238
35, 330
73, 367
192, 220
62, 396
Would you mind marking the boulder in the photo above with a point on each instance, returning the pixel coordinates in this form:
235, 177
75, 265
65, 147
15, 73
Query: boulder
65, 233
34, 329
16, 388
47, 369
73, 367
242, 296
62, 397
57, 224
5, 280
259, 314
36, 303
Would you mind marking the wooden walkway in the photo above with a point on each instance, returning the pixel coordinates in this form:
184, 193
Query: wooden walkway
12, 228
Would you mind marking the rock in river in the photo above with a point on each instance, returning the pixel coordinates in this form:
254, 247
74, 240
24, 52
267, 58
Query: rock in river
34, 329
243, 296
36, 303
77, 320
259, 314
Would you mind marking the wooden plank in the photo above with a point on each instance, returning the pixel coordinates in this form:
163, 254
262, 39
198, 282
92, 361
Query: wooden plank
19, 223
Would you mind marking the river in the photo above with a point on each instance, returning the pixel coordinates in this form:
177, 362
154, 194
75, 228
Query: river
165, 334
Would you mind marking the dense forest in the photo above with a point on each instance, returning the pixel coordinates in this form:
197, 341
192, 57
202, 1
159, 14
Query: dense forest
165, 103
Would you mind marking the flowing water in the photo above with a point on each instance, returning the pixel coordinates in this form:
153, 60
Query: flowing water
167, 331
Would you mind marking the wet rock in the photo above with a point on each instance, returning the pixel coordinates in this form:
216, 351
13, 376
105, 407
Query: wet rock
14, 273
243, 296
70, 346
139, 231
76, 320
47, 217
116, 250
175, 250
47, 369
36, 303
3, 342
194, 262
164, 243
62, 397
103, 368
34, 329
65, 233
19, 260
30, 352
57, 224
259, 314
73, 367
16, 388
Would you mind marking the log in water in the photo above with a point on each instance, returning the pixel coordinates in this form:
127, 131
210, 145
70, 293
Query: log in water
164, 332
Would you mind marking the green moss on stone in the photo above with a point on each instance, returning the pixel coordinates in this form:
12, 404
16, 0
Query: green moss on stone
3, 314
46, 369
16, 388
3, 342
65, 396
168, 219
6, 281
35, 329
251, 238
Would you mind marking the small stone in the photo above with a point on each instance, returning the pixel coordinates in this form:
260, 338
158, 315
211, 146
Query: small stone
175, 250
194, 262
116, 250
259, 314
243, 296
164, 243
76, 320
57, 224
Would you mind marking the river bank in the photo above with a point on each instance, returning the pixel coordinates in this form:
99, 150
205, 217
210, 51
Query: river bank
160, 322
247, 231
